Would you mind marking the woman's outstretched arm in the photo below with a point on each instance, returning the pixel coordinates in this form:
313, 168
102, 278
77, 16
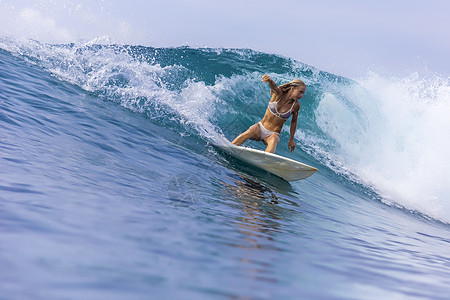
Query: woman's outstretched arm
274, 89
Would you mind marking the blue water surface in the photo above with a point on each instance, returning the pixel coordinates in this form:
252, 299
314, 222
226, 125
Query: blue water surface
100, 200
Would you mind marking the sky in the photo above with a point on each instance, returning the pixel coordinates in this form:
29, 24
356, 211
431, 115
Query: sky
347, 37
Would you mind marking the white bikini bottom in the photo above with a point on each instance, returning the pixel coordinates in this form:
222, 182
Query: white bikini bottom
264, 132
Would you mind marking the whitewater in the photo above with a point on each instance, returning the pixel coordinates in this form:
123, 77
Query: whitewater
111, 188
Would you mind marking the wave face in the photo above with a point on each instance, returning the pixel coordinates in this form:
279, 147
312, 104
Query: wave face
388, 136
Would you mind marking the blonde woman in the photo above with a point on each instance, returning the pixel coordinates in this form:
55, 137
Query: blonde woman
283, 104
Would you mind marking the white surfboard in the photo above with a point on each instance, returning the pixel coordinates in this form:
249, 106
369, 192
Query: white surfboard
284, 167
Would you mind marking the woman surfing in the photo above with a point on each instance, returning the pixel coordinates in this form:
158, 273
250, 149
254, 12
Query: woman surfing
283, 104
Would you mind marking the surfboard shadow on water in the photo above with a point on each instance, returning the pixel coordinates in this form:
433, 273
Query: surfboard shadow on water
254, 174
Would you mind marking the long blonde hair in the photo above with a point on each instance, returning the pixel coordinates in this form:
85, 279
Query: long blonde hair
294, 83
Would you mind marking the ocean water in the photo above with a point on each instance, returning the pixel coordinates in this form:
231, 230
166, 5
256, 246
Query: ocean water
110, 187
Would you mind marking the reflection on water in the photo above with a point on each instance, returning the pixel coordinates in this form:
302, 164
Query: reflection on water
257, 226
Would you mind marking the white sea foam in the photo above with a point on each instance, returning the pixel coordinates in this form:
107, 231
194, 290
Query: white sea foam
112, 73
394, 135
